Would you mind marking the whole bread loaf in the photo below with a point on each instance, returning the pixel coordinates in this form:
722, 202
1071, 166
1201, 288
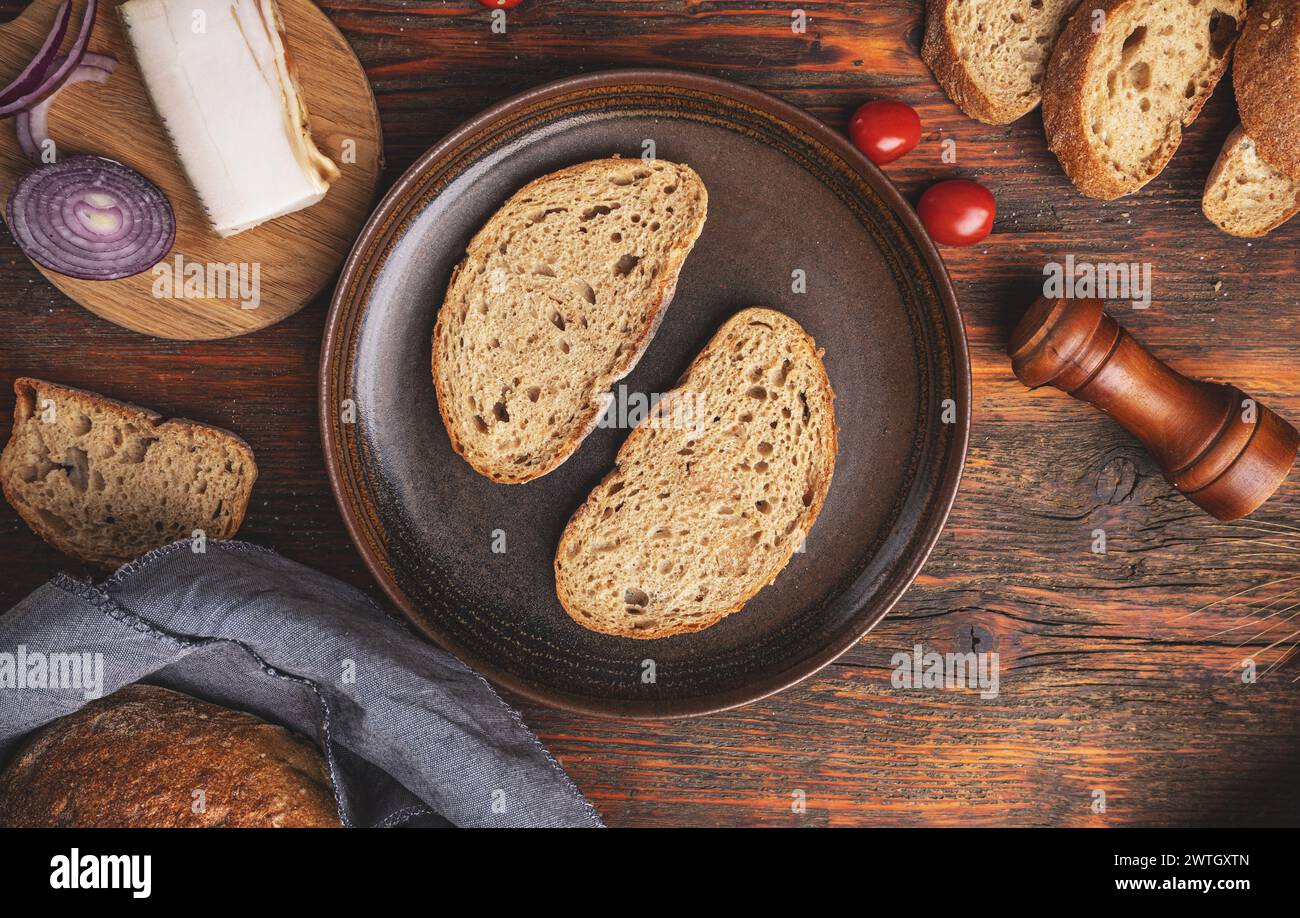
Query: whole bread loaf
147, 757
1245, 196
1125, 78
105, 482
1266, 76
990, 56
712, 493
557, 298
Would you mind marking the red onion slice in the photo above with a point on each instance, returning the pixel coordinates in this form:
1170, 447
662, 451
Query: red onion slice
91, 218
32, 125
51, 81
32, 74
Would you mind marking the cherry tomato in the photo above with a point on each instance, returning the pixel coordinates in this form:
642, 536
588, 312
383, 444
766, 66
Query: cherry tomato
885, 130
501, 4
957, 212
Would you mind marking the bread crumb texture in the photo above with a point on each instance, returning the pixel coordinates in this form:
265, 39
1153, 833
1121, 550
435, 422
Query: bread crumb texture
1244, 195
106, 482
1116, 100
696, 519
991, 56
557, 298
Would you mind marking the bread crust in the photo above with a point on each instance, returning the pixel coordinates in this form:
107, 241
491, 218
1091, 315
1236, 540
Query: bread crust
137, 758
1070, 72
25, 390
588, 422
1266, 76
829, 450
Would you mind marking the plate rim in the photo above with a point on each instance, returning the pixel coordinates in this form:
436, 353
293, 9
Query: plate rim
947, 486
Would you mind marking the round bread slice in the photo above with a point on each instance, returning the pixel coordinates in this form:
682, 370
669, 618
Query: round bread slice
712, 493
148, 757
556, 300
1244, 195
1125, 78
1266, 75
990, 56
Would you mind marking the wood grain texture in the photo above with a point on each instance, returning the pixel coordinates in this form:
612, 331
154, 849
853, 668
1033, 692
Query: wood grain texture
1107, 682
295, 256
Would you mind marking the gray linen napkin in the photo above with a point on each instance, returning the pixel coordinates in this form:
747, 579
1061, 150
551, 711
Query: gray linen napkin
411, 735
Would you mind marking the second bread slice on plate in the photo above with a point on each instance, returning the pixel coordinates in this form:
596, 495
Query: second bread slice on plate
712, 493
558, 296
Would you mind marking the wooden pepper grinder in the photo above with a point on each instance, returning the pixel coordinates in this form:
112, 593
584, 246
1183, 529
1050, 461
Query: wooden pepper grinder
1215, 444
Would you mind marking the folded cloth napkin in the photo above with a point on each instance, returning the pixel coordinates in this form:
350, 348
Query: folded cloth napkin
411, 736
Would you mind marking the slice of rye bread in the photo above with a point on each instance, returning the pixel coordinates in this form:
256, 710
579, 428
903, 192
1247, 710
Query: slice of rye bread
1244, 195
712, 493
990, 56
105, 482
1116, 100
556, 300
1266, 76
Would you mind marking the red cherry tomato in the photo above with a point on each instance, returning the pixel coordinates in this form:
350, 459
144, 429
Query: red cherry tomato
957, 212
501, 4
885, 130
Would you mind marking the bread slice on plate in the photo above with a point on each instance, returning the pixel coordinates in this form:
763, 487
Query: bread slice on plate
1266, 75
557, 298
106, 482
712, 493
1116, 99
990, 56
1244, 195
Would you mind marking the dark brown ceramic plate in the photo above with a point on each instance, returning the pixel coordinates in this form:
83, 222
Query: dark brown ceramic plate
786, 194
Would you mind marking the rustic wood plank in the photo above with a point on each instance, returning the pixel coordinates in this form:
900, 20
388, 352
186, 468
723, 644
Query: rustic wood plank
1108, 683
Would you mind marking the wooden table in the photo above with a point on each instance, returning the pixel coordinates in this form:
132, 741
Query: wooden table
1108, 681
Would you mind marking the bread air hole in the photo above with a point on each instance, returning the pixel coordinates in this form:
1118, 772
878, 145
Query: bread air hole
624, 265
137, 450
1134, 41
636, 600
598, 210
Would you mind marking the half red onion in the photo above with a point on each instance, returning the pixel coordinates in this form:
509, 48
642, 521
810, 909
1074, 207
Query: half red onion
91, 218
49, 81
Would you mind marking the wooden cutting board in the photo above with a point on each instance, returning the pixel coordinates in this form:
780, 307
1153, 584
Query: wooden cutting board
285, 262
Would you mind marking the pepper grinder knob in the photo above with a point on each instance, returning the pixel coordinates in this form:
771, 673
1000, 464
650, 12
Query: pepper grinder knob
1223, 450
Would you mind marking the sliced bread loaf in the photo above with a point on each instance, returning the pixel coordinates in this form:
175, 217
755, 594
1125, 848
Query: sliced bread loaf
1245, 196
1117, 98
990, 56
557, 298
105, 482
1266, 75
712, 493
